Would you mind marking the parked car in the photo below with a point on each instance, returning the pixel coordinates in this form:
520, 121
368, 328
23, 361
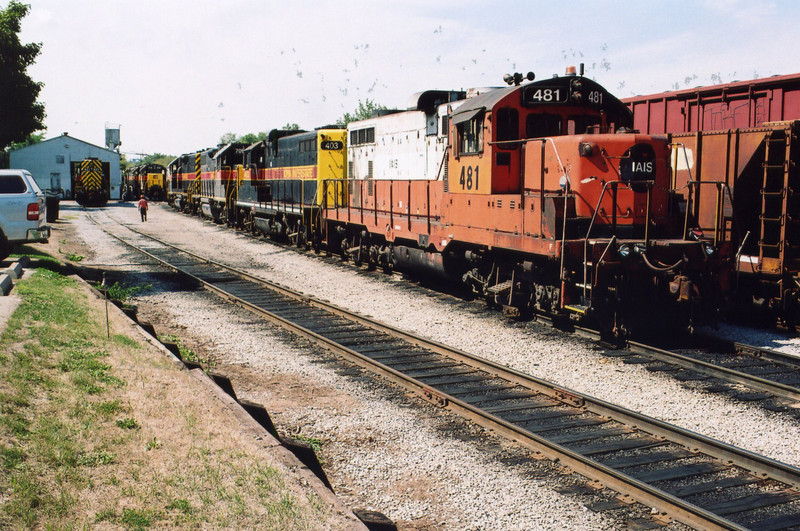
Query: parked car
23, 213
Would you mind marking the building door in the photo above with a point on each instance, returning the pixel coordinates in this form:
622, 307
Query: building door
55, 181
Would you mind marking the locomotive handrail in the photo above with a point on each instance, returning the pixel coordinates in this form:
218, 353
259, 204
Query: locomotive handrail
441, 164
722, 189
614, 185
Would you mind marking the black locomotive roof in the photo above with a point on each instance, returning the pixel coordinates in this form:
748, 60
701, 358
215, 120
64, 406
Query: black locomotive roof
577, 90
428, 100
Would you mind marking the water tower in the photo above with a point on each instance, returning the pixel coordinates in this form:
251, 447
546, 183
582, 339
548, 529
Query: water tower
112, 137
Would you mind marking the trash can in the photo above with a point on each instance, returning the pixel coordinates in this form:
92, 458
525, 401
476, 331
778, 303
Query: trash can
52, 199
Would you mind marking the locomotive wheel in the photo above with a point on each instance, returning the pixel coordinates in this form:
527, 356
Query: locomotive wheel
248, 223
302, 237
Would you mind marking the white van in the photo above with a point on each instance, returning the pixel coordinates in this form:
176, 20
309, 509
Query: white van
22, 211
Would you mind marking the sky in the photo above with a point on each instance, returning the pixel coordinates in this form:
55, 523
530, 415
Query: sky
177, 75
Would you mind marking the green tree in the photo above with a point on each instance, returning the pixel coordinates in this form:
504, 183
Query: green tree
20, 113
364, 110
157, 158
249, 138
5, 155
227, 138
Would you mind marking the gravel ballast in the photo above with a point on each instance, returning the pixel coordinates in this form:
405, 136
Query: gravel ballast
382, 453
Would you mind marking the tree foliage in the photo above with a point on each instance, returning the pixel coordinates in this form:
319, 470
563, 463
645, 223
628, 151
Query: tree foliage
20, 113
155, 158
364, 110
249, 138
5, 155
252, 138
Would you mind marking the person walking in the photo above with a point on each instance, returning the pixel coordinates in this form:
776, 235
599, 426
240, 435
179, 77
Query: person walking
143, 207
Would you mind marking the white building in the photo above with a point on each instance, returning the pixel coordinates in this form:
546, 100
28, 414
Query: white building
49, 162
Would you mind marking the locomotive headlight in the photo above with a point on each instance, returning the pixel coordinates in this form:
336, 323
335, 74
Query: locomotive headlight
586, 149
624, 250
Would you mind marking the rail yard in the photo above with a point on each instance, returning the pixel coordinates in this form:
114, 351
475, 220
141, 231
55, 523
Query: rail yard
349, 274
405, 436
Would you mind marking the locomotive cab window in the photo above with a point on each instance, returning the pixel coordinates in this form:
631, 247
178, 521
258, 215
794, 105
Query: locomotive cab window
507, 127
584, 125
539, 125
470, 135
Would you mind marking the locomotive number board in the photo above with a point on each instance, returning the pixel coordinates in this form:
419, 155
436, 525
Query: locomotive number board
559, 94
331, 145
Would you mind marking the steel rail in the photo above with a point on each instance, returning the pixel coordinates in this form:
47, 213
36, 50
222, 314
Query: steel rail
717, 371
711, 369
667, 504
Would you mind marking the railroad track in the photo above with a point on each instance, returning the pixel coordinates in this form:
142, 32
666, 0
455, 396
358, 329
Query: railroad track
772, 377
682, 475
743, 372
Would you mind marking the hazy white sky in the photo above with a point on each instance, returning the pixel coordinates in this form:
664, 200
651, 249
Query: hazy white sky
177, 75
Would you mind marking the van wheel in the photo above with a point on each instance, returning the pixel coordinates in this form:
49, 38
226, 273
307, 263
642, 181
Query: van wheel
5, 248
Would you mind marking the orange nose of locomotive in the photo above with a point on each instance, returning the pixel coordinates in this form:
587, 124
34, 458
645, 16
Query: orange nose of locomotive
619, 179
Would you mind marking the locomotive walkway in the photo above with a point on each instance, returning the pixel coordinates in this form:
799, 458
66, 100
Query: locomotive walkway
685, 476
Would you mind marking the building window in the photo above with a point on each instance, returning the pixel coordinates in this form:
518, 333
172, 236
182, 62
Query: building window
59, 159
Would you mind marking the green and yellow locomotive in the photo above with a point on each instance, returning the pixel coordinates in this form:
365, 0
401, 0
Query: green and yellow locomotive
282, 189
149, 180
274, 187
91, 184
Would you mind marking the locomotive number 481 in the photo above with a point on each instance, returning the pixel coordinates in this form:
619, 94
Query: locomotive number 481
469, 178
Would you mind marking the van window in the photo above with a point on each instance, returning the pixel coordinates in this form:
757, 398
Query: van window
12, 184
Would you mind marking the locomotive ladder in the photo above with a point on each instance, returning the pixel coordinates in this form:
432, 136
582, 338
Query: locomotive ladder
775, 192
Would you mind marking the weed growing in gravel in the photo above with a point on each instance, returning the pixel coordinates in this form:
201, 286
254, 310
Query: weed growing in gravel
187, 353
123, 293
316, 444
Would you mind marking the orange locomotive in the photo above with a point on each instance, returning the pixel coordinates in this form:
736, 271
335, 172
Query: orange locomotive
538, 195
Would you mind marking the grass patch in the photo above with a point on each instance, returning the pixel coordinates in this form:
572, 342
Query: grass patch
80, 448
128, 424
98, 458
136, 519
180, 505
